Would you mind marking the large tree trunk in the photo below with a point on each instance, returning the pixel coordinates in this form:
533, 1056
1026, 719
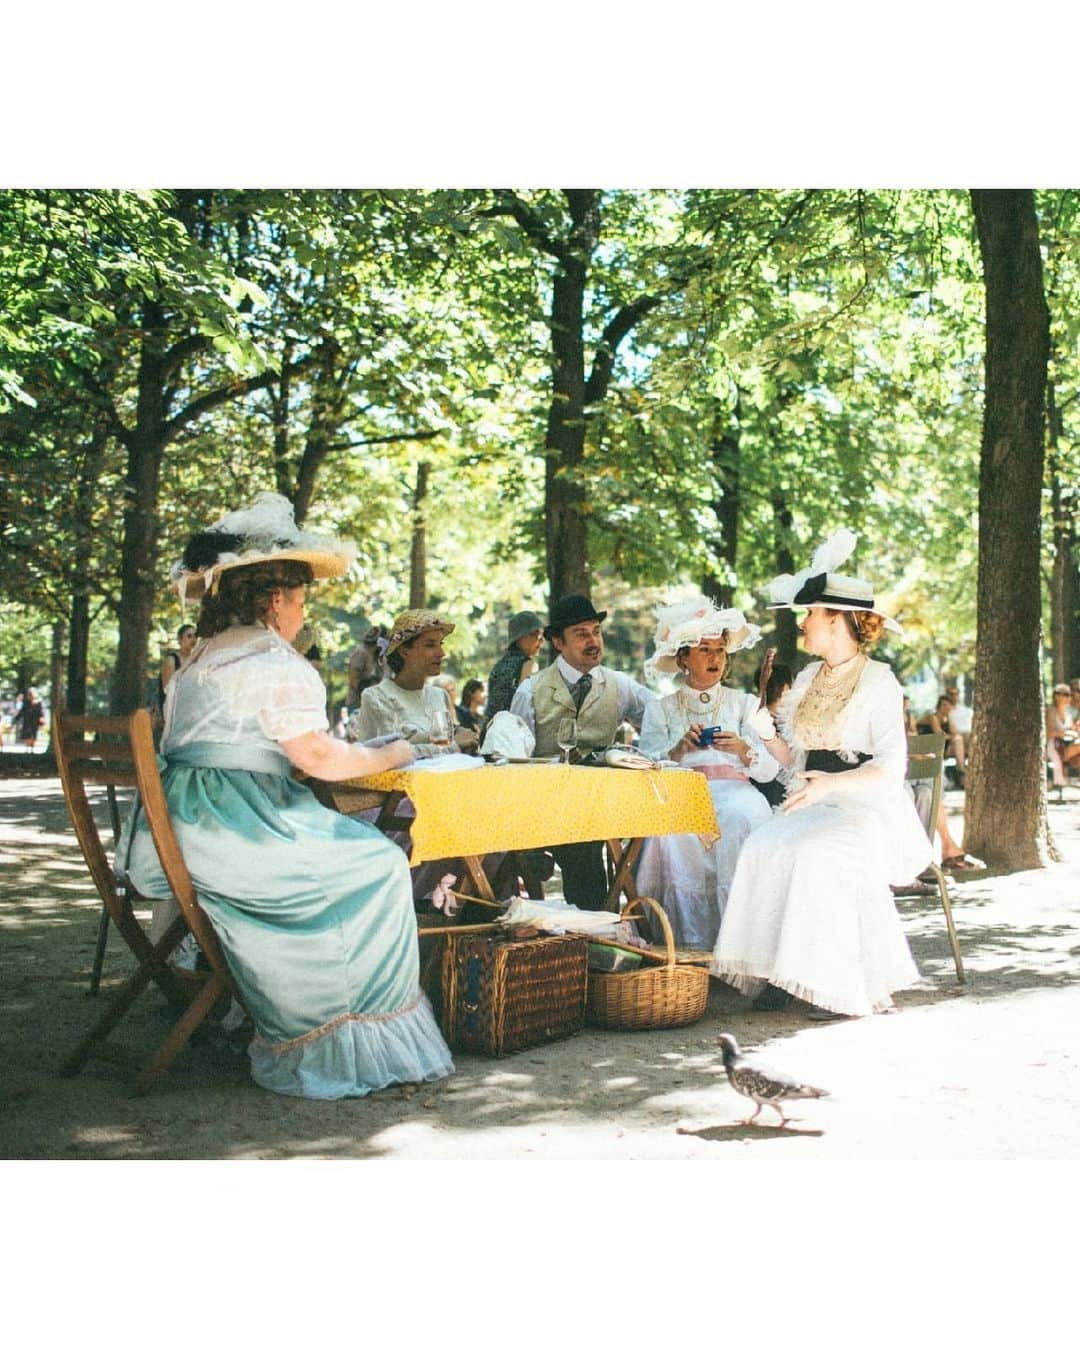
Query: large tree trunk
1064, 588
787, 630
1005, 818
564, 446
724, 452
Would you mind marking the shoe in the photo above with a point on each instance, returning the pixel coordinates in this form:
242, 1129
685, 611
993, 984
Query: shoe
823, 1014
962, 862
772, 999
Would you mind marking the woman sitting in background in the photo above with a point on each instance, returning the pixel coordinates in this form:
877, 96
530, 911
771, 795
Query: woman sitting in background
692, 882
405, 702
313, 909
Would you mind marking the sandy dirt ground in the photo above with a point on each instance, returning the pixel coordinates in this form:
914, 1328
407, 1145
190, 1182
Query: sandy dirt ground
990, 1071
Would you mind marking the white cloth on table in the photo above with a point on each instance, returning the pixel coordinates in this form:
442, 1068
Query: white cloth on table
810, 909
689, 881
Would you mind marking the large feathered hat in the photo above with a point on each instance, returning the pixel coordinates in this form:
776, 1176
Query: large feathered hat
688, 623
265, 531
819, 586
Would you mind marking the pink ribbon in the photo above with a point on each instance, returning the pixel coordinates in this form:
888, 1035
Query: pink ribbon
723, 771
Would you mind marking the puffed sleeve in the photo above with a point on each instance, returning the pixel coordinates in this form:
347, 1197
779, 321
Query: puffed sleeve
291, 699
888, 738
656, 738
763, 767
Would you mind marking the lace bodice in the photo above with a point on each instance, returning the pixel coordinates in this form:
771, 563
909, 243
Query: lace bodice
244, 686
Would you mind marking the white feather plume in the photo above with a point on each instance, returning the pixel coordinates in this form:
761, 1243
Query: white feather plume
834, 552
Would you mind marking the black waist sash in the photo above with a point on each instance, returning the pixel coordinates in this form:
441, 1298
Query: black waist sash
828, 761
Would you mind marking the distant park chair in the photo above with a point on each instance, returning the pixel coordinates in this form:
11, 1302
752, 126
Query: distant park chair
119, 752
926, 761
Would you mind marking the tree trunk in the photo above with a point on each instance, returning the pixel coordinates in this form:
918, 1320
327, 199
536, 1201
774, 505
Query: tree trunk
724, 452
787, 631
564, 446
418, 549
146, 448
56, 666
78, 644
1005, 818
1064, 590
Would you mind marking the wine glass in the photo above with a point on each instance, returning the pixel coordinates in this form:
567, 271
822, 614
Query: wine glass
439, 720
567, 737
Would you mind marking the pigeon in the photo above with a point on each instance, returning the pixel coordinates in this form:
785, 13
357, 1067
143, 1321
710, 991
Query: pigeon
763, 1085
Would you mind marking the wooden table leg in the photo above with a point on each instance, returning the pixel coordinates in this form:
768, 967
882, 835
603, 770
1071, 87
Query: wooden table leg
625, 858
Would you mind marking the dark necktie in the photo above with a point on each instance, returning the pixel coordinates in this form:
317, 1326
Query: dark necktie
581, 690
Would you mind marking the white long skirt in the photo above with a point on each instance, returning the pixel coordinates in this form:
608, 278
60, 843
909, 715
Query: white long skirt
691, 882
810, 909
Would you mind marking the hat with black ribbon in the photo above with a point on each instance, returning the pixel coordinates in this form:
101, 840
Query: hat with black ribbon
569, 610
820, 586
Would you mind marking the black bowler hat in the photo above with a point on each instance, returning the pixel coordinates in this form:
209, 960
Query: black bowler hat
569, 610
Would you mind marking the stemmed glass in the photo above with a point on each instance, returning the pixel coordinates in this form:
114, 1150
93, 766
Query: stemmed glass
567, 737
439, 720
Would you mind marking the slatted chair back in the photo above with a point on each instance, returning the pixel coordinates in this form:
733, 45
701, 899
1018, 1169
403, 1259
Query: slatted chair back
926, 762
120, 751
97, 751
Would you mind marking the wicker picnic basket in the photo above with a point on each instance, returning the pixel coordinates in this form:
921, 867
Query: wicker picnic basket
653, 998
502, 992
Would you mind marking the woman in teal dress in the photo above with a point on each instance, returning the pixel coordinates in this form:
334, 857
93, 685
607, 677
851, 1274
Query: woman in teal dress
314, 909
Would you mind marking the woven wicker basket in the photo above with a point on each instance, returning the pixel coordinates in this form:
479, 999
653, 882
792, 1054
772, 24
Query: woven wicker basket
502, 993
654, 998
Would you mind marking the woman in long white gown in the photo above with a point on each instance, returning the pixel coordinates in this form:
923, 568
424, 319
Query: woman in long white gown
810, 910
689, 880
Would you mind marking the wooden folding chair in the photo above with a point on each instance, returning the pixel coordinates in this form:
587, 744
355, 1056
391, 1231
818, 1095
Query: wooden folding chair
120, 752
926, 762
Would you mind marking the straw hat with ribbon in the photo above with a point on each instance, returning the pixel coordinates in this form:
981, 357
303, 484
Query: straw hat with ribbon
819, 586
411, 624
689, 623
265, 531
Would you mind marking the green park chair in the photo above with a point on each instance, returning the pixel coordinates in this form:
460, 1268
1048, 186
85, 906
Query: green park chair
926, 763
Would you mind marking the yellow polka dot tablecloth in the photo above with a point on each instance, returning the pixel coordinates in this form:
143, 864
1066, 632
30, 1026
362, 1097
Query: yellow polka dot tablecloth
507, 807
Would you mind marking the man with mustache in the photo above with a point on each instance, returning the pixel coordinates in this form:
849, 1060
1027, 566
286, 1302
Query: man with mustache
577, 684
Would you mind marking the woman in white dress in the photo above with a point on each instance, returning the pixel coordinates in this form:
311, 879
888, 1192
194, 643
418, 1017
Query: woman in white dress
689, 880
810, 910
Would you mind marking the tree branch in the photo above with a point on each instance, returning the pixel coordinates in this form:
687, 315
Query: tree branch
509, 203
208, 401
604, 361
384, 440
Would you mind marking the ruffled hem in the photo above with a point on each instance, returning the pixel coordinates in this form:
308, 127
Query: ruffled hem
355, 1055
749, 982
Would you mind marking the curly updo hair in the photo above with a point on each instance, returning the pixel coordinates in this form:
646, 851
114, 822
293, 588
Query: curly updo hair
865, 627
244, 594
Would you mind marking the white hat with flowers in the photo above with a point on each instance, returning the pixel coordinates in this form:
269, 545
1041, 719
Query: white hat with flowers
689, 623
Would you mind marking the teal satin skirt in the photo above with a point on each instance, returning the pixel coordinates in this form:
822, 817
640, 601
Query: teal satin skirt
315, 915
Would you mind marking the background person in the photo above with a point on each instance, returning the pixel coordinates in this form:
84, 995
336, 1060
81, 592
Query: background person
689, 881
810, 911
471, 710
313, 909
29, 718
363, 670
525, 636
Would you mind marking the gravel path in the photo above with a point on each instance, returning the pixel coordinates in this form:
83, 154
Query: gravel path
988, 1072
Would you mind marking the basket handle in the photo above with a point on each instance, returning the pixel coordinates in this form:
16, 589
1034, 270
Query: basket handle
669, 939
